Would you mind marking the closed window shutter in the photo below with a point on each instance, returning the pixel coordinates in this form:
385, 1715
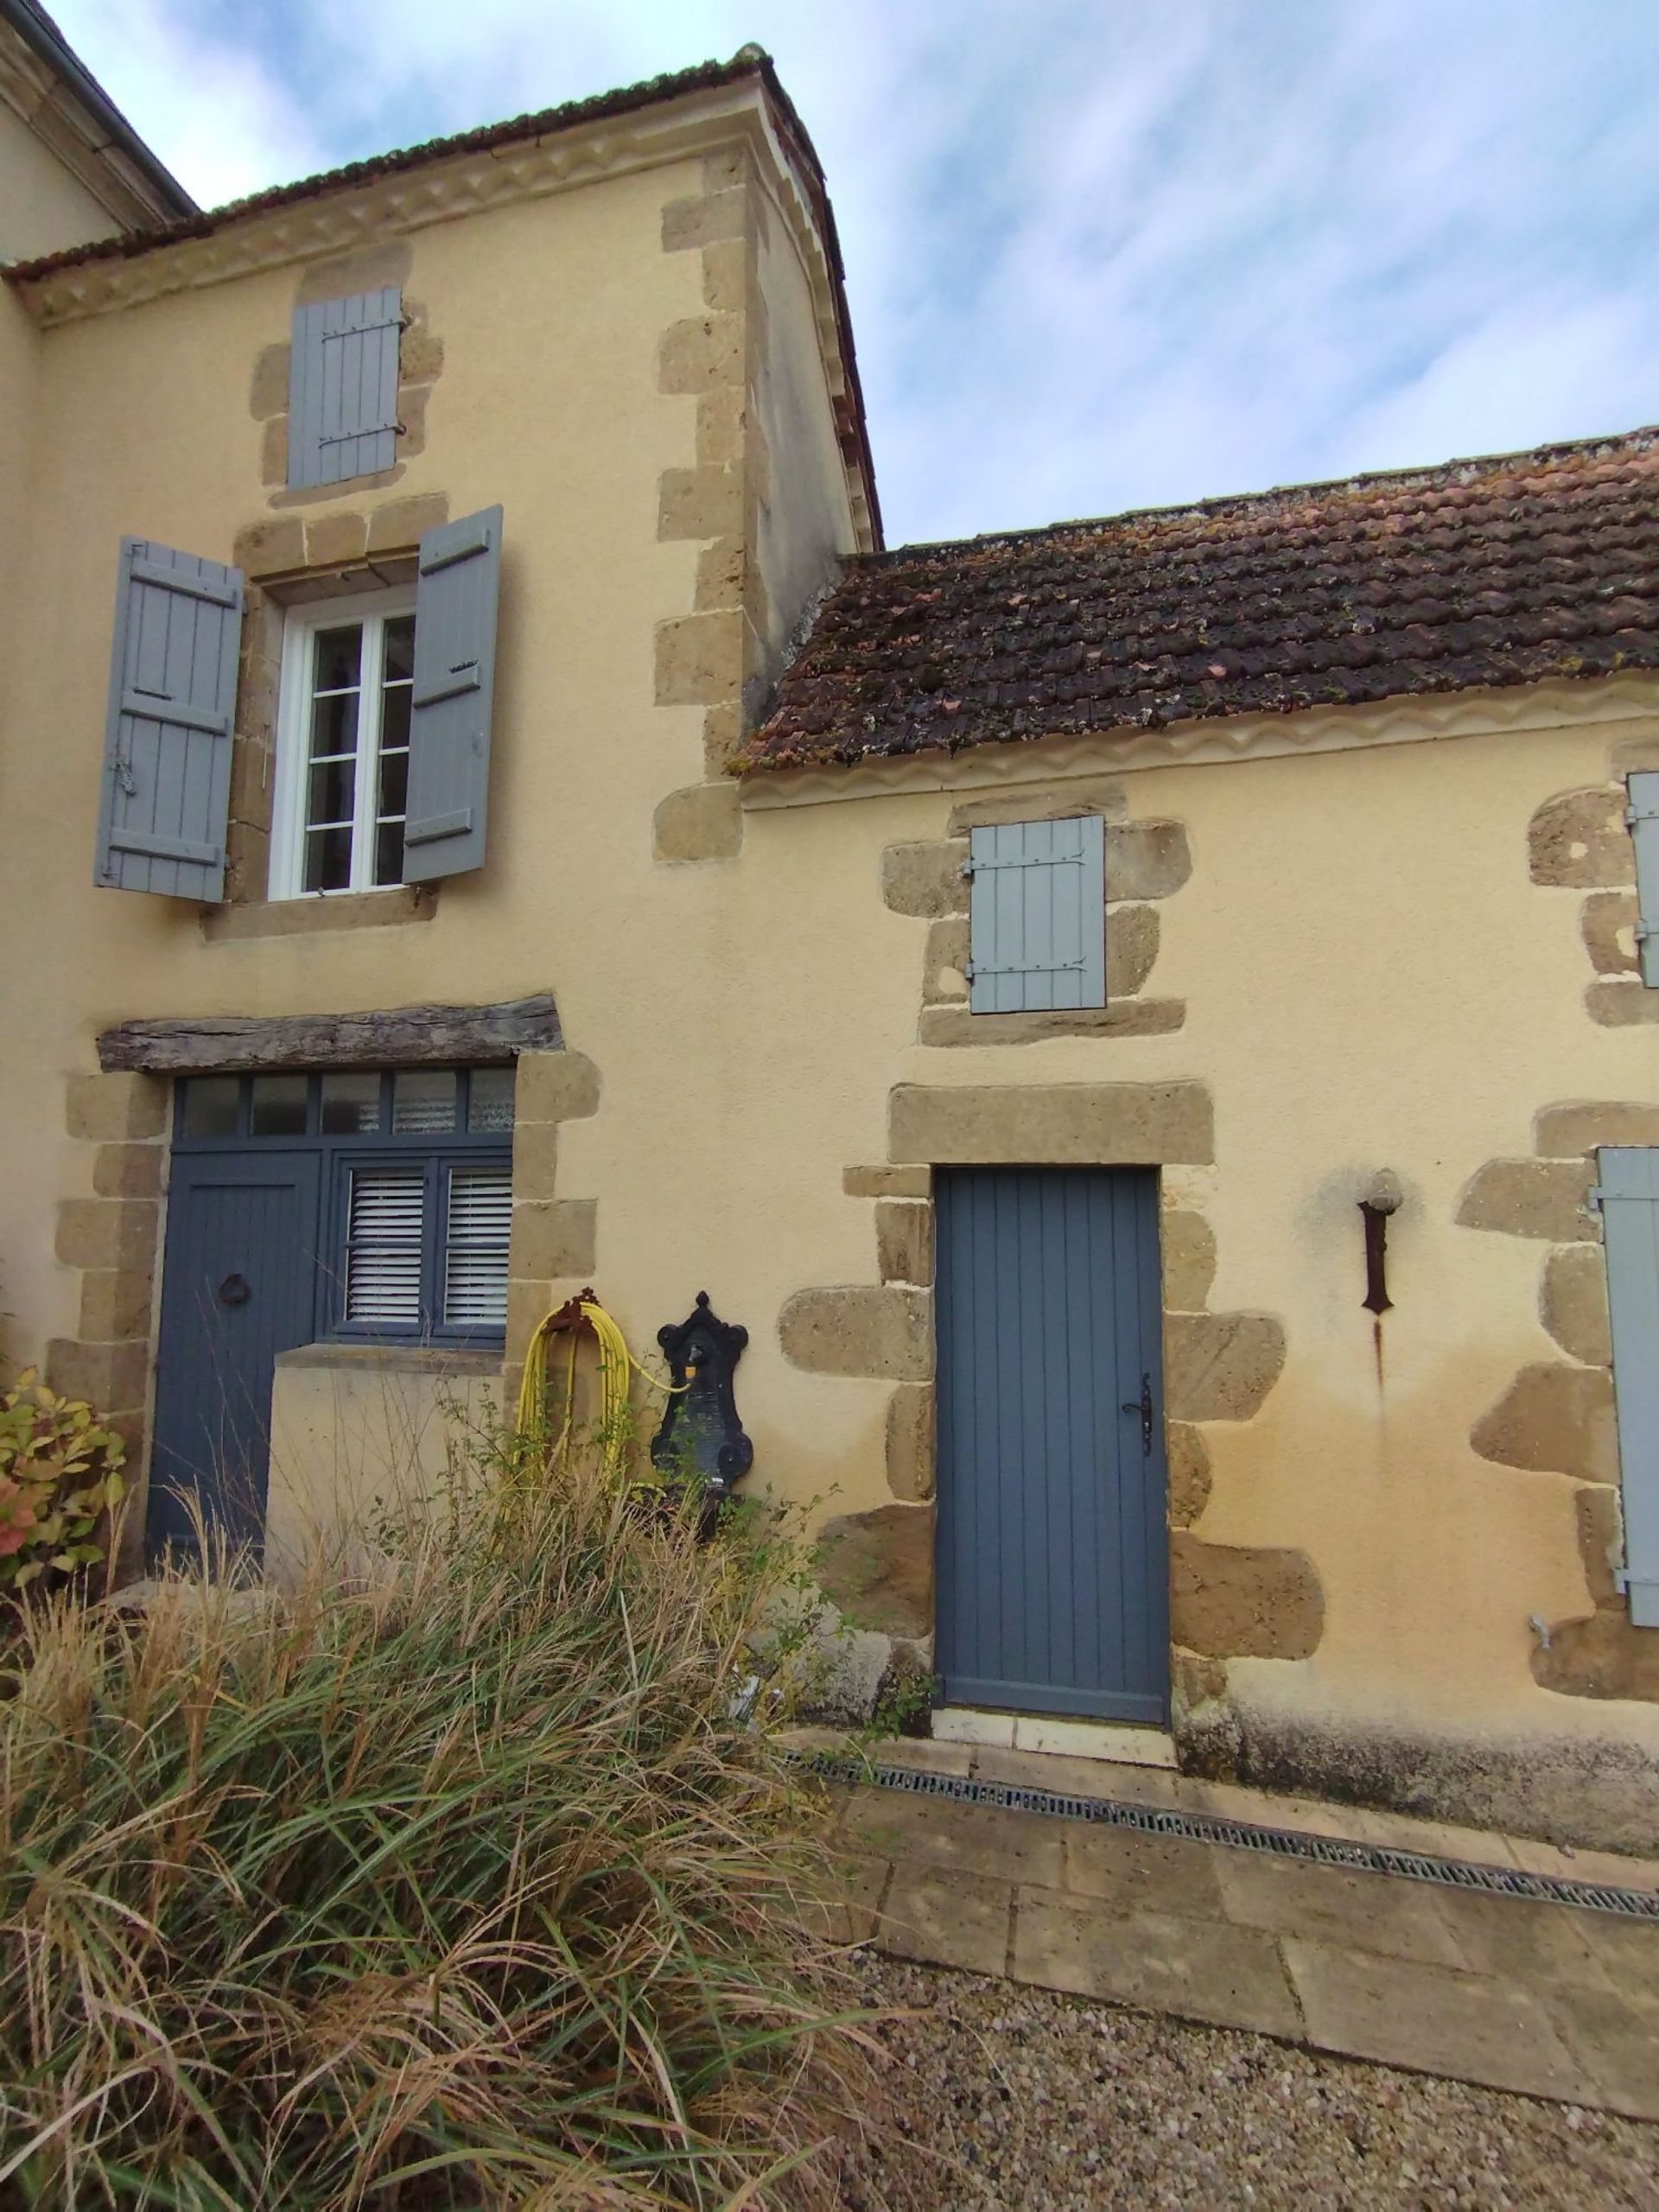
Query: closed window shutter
1643, 818
164, 810
1630, 1208
382, 1247
1037, 916
342, 391
479, 1223
454, 697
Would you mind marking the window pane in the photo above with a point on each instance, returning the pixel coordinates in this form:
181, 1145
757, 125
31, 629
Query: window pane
394, 784
424, 1100
388, 853
279, 1104
328, 860
394, 715
340, 658
475, 1248
332, 792
489, 1099
210, 1104
333, 724
383, 1249
351, 1105
400, 648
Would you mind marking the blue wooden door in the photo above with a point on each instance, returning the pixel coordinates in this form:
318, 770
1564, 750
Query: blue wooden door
238, 1285
1054, 1548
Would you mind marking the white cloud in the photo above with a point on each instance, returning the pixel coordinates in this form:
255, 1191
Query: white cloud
1100, 254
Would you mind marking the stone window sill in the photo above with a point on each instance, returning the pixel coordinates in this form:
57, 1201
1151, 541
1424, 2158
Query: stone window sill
956, 1024
396, 1359
354, 910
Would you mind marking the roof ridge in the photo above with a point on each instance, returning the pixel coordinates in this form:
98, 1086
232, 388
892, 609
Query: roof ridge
1612, 442
704, 76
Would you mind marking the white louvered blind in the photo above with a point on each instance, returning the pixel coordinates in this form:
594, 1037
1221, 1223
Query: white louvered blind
383, 1257
475, 1248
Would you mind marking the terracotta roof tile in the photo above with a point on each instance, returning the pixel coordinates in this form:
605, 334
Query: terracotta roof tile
1487, 572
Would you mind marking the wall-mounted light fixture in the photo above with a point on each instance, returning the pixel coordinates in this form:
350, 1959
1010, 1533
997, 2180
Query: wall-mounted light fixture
1384, 1196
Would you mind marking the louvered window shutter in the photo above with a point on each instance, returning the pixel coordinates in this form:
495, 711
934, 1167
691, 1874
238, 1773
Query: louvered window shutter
1037, 919
479, 1221
1629, 1211
1643, 818
454, 696
382, 1247
164, 812
342, 387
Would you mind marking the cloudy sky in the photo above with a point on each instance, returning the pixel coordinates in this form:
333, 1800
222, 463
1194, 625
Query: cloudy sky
1101, 253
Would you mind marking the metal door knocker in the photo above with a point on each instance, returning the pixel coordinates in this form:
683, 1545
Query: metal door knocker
234, 1291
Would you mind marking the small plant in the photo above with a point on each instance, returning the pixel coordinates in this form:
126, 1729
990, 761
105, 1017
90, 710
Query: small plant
59, 1475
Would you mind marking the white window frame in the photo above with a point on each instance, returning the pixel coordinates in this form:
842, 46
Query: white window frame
373, 609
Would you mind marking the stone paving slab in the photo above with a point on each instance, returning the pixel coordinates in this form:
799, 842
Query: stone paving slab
1521, 1994
1402, 2013
1196, 1969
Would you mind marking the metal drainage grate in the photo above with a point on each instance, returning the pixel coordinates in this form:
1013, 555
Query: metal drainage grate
1283, 1843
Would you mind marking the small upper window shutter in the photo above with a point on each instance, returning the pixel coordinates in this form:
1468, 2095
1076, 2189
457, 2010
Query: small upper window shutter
1643, 816
454, 685
1037, 916
1630, 1208
342, 387
166, 803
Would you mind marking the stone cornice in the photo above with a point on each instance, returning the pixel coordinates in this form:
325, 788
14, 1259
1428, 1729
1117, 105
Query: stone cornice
1417, 718
399, 201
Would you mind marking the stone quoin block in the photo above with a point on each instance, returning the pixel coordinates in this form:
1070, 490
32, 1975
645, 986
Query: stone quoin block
876, 1569
1573, 1303
911, 1441
1545, 1198
1554, 1419
1578, 841
925, 878
703, 822
1221, 1366
1243, 1601
883, 1330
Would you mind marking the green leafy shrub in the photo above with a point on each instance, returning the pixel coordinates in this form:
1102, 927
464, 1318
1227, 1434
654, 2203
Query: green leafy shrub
60, 1478
470, 1885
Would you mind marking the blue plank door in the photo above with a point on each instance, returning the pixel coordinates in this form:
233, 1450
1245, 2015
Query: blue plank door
1053, 1545
238, 1285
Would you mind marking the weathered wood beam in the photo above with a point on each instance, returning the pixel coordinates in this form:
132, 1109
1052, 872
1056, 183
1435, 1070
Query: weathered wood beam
401, 1037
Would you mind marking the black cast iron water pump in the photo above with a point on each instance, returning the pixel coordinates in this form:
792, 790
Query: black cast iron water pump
702, 1439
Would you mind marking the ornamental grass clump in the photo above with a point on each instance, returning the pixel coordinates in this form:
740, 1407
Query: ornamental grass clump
479, 1884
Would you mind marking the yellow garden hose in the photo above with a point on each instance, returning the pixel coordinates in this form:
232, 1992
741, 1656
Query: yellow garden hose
617, 1368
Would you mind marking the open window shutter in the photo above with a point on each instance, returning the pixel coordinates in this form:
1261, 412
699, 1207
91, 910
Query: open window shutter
1643, 818
1037, 921
454, 692
1630, 1208
166, 803
342, 387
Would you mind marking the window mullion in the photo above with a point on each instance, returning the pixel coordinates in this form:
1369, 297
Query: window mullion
368, 753
435, 1228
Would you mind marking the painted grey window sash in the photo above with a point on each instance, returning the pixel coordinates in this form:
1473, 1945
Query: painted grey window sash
165, 801
342, 411
1629, 1196
456, 593
1643, 816
1037, 916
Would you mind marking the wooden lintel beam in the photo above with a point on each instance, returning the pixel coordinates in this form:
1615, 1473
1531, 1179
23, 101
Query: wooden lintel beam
400, 1037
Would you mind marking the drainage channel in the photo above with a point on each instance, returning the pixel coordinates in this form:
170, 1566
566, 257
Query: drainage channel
1243, 1835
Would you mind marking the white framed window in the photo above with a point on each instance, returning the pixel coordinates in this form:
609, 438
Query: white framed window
343, 708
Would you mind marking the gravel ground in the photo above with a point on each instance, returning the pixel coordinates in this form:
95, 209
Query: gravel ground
1009, 2097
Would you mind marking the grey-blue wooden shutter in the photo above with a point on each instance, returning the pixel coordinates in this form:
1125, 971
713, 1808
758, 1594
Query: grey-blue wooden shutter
453, 694
1629, 1212
342, 387
1037, 916
165, 801
1643, 816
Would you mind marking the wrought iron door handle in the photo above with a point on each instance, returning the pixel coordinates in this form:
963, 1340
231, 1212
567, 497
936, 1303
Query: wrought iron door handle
1142, 1405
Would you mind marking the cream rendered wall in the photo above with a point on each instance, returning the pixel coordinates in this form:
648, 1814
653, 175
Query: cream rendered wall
43, 206
1370, 978
144, 415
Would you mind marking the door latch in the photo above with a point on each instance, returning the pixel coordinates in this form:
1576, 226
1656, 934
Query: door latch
1142, 1405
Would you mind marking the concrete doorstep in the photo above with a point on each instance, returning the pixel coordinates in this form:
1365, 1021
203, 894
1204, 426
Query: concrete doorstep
1543, 1999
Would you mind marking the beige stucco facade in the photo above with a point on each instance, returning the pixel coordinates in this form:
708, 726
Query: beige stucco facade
1383, 938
